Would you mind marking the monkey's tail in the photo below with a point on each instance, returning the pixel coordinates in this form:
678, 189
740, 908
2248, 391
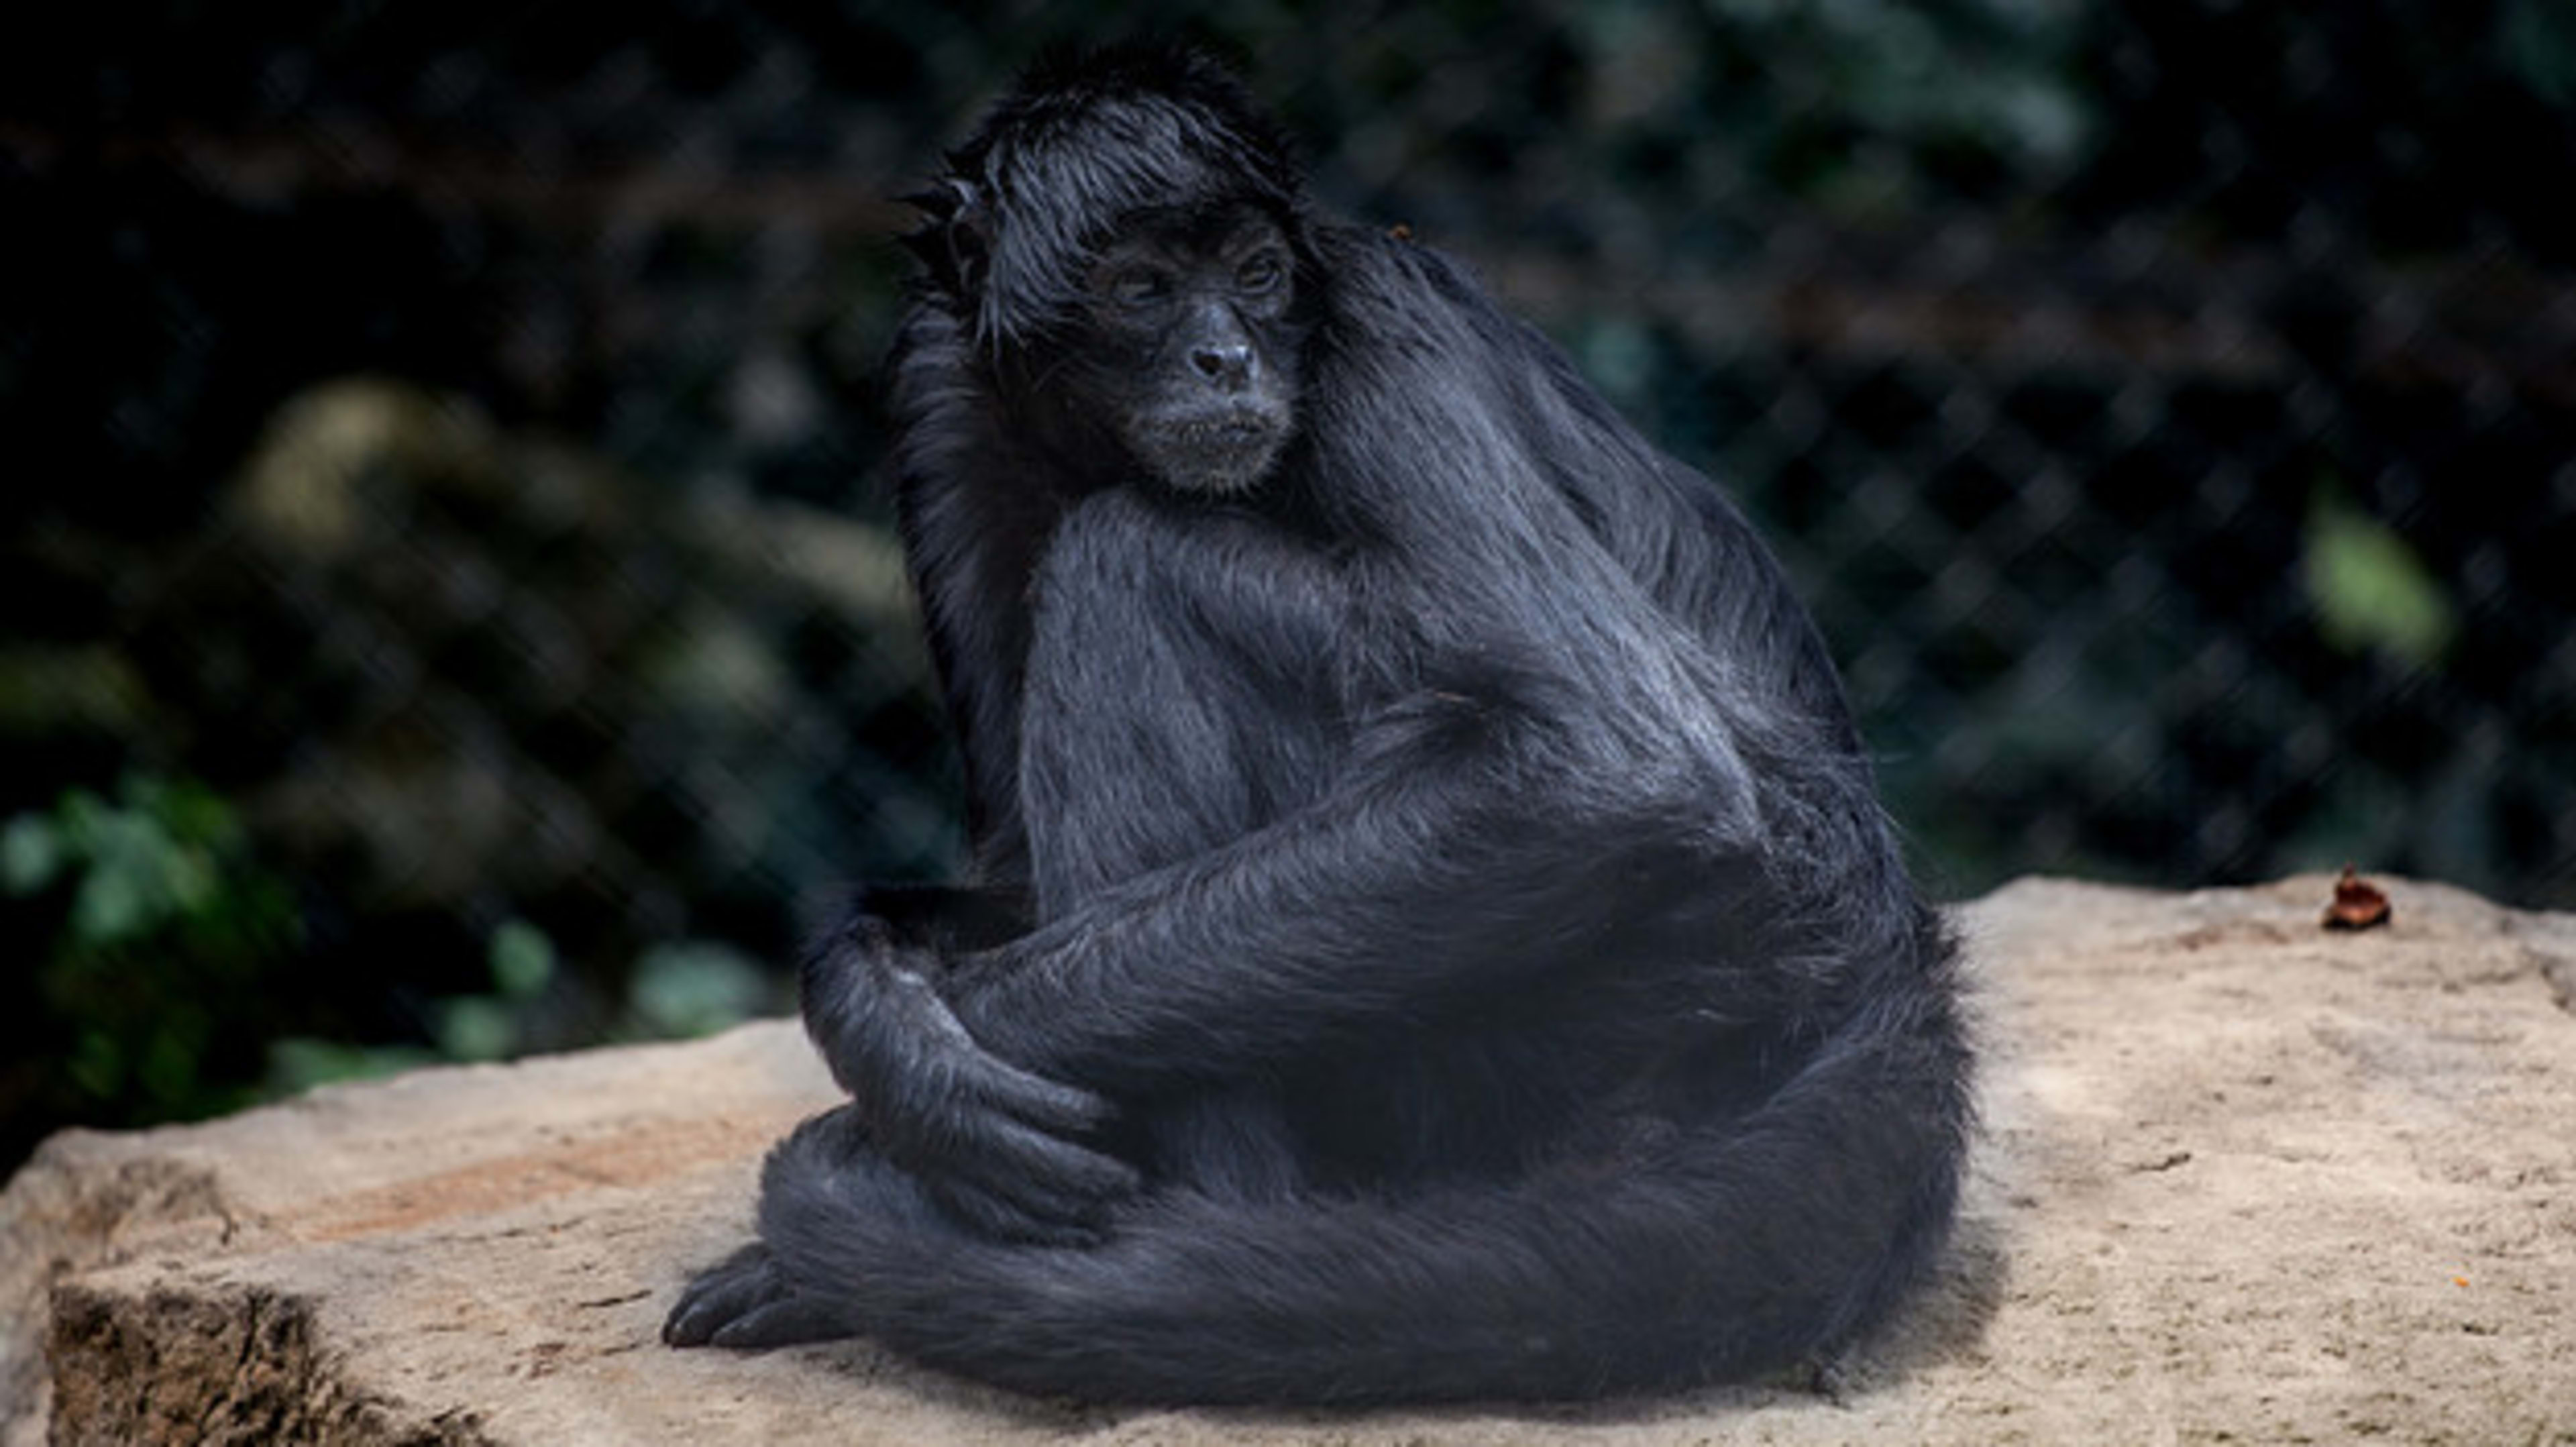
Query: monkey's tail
1775, 1240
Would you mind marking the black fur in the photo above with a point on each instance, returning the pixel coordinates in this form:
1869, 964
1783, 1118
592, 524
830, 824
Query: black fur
1435, 936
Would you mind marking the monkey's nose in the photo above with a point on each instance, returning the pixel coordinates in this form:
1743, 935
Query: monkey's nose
1228, 364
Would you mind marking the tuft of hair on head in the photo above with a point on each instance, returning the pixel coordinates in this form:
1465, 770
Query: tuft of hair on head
952, 239
1084, 141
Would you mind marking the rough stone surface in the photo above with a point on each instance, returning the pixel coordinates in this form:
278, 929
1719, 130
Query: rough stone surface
2242, 1178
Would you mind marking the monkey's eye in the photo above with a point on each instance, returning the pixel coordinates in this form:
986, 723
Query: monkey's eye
1138, 285
1261, 274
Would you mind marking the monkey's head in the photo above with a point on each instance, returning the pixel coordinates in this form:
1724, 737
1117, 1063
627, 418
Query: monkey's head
1128, 237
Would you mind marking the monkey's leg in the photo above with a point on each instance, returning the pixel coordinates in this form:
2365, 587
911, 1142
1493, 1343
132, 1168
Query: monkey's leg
748, 1300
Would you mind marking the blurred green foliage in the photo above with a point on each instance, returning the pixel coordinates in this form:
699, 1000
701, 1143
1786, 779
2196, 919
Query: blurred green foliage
165, 929
2537, 39
166, 935
675, 991
2371, 590
696, 987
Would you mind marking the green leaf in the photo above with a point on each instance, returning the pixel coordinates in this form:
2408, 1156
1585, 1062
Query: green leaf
167, 1068
97, 1065
110, 907
83, 816
31, 854
695, 988
192, 879
2538, 40
298, 1063
476, 1027
522, 959
2371, 591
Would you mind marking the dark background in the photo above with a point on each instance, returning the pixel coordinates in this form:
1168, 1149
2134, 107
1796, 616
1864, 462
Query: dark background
446, 609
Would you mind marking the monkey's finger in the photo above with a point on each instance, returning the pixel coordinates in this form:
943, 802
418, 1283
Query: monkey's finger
1030, 1169
784, 1322
693, 1321
1049, 1105
720, 1294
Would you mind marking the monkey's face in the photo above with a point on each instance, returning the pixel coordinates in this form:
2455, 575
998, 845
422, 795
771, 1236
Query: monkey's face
1195, 346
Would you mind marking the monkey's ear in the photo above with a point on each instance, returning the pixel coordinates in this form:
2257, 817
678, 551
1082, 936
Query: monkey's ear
955, 239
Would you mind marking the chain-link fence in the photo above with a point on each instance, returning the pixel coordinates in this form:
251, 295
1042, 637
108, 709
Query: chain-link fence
444, 441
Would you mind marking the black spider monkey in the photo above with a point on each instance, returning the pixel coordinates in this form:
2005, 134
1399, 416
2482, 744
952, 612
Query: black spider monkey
1435, 935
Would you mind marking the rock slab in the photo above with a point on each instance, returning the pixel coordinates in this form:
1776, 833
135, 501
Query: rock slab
2241, 1178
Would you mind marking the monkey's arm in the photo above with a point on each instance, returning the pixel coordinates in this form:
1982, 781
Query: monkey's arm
1412, 892
974, 514
1000, 1146
947, 918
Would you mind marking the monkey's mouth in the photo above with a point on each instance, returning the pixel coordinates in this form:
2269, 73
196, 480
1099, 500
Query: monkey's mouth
1241, 425
1218, 450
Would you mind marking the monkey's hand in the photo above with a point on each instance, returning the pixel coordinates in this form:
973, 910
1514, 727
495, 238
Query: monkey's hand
1001, 1148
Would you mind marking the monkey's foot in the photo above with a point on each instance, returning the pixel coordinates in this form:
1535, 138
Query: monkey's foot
748, 1303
